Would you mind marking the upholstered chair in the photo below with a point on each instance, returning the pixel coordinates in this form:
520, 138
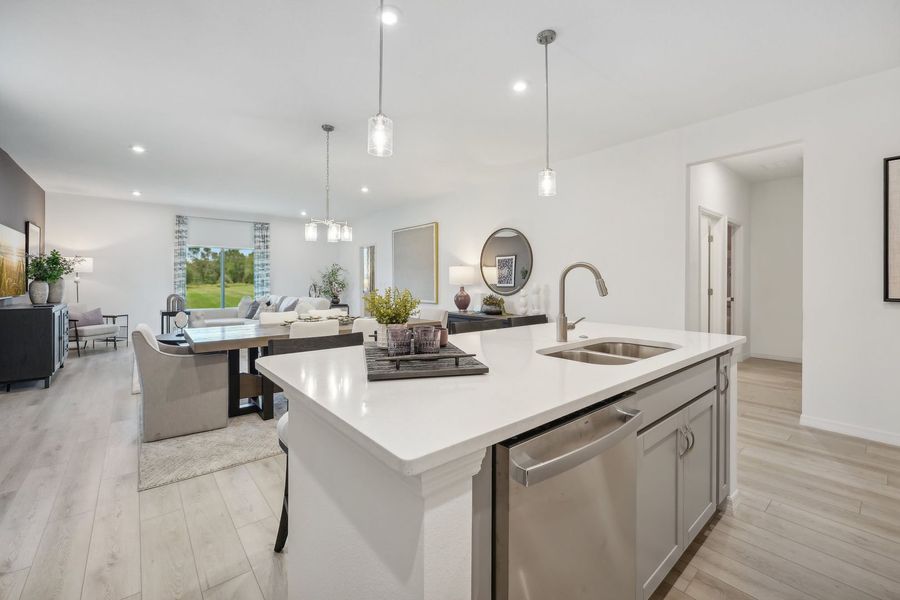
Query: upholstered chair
434, 314
305, 329
277, 318
182, 392
366, 326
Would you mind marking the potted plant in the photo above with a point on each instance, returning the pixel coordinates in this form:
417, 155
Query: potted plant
390, 309
47, 271
492, 305
333, 281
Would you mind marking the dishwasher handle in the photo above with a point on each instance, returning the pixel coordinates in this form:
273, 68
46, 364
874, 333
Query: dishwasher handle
541, 471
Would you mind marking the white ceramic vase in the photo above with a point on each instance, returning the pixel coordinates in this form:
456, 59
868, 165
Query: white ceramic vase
56, 291
381, 331
38, 291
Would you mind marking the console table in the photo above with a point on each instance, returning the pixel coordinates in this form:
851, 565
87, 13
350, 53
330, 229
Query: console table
35, 342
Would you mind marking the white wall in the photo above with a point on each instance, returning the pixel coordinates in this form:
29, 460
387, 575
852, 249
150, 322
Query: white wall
777, 269
626, 209
715, 187
132, 244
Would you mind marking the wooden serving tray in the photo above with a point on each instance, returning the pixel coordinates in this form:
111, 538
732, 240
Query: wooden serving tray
450, 361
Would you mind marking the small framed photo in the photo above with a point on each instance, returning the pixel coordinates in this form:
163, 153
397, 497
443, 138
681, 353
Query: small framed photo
506, 271
32, 240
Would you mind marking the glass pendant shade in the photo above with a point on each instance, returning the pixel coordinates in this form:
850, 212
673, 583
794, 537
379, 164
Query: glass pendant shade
547, 183
381, 135
346, 233
334, 232
311, 232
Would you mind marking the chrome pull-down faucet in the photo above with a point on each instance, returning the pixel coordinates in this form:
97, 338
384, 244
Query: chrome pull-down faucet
562, 322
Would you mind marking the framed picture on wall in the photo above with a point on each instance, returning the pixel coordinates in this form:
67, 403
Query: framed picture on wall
32, 240
415, 261
506, 271
892, 229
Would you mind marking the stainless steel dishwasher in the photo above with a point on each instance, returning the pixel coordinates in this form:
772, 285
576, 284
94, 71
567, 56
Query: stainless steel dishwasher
565, 509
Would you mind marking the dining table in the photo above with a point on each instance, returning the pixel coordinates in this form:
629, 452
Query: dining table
245, 388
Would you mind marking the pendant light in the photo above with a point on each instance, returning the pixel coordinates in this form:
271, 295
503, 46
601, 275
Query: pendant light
381, 128
337, 231
547, 177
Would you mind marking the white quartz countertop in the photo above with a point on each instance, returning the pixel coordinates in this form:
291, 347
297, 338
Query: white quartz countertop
414, 425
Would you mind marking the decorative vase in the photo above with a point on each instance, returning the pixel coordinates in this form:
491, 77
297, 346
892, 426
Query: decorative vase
38, 291
462, 299
381, 336
57, 291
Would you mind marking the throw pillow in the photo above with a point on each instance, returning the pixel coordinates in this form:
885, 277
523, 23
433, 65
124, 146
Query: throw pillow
243, 306
90, 317
265, 308
250, 312
289, 304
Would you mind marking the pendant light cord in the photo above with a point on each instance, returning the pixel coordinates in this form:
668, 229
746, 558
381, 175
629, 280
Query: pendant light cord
380, 51
327, 175
547, 99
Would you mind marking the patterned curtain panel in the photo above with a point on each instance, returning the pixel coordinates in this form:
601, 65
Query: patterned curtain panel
181, 248
261, 259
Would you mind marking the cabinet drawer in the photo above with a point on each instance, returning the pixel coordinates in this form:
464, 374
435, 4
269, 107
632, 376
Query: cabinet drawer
658, 399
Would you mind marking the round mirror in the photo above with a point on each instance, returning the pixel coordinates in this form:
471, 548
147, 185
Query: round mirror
506, 261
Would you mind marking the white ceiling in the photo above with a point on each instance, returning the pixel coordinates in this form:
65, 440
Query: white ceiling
768, 165
228, 95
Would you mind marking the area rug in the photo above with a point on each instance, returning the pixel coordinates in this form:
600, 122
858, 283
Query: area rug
246, 439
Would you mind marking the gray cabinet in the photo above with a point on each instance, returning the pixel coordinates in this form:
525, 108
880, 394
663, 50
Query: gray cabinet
35, 341
723, 416
677, 486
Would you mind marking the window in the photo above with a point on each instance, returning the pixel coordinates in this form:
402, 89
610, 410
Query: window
218, 277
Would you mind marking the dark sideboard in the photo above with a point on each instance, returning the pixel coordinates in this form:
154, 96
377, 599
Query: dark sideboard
35, 342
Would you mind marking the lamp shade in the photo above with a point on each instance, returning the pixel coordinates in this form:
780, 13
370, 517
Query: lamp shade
85, 264
490, 275
462, 275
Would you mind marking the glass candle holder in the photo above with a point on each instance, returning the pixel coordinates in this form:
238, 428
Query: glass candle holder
428, 340
397, 340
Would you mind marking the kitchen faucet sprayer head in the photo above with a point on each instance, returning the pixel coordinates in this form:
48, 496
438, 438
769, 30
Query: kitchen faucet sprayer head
601, 286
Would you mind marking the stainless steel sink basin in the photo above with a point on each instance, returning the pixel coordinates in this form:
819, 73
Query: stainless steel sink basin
594, 358
635, 351
606, 352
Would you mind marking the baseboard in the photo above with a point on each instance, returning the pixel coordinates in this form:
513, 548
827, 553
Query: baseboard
875, 435
793, 359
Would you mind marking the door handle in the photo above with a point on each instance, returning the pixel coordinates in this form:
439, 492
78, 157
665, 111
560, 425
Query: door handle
532, 474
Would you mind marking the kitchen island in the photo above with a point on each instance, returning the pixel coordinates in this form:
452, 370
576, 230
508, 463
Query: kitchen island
381, 473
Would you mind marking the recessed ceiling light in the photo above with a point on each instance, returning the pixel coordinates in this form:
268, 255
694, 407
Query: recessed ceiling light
390, 15
136, 193
138, 149
364, 190
302, 213
520, 86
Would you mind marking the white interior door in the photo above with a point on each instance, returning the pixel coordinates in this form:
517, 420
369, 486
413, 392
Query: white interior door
712, 272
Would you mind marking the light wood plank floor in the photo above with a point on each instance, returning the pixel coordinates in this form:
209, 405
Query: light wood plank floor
72, 524
818, 514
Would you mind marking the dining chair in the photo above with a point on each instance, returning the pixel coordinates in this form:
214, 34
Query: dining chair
289, 346
366, 326
306, 329
480, 325
277, 318
434, 314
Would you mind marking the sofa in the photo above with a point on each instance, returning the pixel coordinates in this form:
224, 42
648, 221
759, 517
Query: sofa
240, 315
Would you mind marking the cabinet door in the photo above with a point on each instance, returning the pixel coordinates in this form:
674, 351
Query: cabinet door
699, 465
723, 416
660, 539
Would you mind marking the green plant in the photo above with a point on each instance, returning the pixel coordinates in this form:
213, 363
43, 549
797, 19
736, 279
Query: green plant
50, 267
493, 300
393, 307
333, 280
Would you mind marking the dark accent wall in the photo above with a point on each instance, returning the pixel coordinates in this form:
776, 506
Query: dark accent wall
21, 199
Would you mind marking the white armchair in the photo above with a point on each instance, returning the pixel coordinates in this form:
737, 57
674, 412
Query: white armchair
434, 314
182, 393
304, 329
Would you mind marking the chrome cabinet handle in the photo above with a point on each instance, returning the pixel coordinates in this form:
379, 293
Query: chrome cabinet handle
532, 474
683, 435
693, 439
727, 379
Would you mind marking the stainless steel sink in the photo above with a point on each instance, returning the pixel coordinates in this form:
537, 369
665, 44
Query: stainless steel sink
606, 352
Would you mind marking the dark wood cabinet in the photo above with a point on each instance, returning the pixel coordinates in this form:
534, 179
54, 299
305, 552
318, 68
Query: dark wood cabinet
35, 342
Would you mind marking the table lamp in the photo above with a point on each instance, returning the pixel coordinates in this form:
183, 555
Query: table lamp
462, 276
490, 275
